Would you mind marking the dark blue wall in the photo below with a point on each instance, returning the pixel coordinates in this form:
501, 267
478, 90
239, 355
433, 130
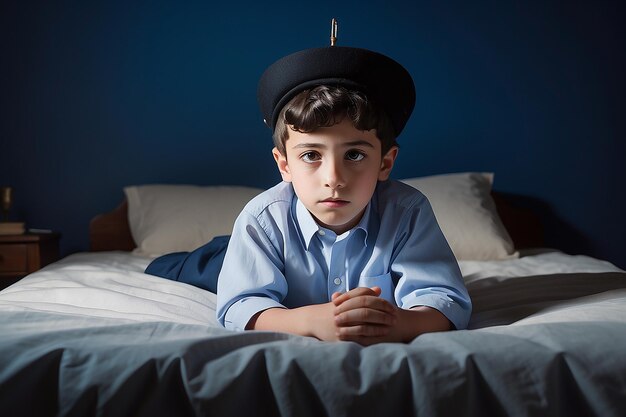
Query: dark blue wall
98, 95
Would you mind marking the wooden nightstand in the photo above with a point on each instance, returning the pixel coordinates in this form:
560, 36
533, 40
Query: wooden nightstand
22, 254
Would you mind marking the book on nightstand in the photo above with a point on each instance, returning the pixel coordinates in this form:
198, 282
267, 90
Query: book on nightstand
12, 228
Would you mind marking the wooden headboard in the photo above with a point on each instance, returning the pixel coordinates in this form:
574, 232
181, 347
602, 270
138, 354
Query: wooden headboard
523, 224
110, 231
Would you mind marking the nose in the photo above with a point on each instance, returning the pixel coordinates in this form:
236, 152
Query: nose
334, 176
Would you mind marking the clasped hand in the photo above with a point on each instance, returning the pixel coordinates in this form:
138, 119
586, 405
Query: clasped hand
362, 316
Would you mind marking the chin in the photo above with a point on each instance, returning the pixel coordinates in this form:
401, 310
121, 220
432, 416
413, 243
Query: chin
337, 224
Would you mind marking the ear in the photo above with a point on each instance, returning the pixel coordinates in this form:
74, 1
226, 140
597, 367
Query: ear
387, 163
281, 163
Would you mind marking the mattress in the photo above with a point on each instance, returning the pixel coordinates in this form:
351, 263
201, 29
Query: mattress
93, 335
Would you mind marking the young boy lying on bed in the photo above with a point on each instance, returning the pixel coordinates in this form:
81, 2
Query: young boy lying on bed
337, 250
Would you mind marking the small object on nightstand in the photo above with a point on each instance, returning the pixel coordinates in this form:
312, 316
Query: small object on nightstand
21, 254
40, 231
11, 228
7, 227
6, 194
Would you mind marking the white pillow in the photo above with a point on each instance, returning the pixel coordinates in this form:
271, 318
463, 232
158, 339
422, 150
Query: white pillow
467, 214
175, 218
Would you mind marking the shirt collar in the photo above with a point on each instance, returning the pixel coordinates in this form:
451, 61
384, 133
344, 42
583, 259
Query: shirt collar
309, 227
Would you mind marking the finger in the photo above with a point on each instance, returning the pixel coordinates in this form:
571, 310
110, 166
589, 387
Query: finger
367, 301
364, 330
365, 316
334, 296
356, 292
377, 290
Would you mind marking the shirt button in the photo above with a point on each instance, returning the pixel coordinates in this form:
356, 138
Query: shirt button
337, 281
321, 232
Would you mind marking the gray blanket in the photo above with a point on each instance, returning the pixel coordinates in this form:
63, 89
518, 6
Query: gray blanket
56, 364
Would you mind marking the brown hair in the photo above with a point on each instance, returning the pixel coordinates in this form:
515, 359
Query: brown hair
325, 106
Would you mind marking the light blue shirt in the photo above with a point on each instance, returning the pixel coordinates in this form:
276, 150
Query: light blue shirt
278, 256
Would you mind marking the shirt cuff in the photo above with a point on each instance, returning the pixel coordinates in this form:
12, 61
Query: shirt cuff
458, 314
241, 311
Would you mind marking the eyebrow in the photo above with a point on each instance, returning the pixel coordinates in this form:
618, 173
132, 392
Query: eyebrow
322, 146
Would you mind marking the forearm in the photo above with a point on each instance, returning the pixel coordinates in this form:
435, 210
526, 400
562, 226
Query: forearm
419, 320
318, 321
312, 320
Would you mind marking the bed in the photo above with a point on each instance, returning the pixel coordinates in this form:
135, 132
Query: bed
92, 334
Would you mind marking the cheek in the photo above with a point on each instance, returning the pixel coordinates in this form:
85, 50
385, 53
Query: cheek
368, 171
302, 178
304, 172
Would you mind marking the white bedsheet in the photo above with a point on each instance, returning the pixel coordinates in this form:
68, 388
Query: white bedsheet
540, 263
113, 285
110, 285
545, 287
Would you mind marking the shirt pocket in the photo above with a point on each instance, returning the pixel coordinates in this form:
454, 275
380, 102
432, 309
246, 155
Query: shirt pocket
384, 282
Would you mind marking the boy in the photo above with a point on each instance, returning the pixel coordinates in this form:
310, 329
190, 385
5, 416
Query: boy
338, 251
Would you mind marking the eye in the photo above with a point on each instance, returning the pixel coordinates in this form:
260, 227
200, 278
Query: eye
310, 157
354, 155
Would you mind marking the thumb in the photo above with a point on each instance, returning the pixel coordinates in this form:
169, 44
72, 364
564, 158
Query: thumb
377, 290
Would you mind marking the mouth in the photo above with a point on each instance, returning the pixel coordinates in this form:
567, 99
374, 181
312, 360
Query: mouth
334, 202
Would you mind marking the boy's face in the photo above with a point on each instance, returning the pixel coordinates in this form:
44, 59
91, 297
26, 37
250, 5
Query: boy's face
334, 171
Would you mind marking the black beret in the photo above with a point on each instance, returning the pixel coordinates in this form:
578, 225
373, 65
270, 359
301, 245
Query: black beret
381, 78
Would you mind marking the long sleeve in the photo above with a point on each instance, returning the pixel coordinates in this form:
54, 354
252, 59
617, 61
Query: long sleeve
426, 270
252, 278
